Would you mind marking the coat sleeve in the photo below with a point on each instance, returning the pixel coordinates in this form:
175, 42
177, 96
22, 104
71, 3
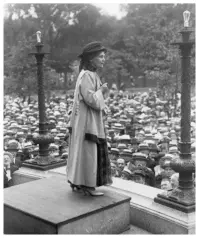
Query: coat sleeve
91, 97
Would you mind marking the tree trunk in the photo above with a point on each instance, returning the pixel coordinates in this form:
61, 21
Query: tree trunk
48, 93
29, 99
118, 81
65, 80
144, 82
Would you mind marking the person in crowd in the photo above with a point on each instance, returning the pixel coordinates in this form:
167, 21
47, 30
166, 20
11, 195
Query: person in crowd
166, 184
174, 180
139, 176
166, 166
144, 148
120, 167
9, 169
113, 169
126, 174
134, 145
140, 136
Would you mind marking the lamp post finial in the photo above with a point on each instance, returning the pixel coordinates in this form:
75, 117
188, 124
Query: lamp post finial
38, 33
186, 15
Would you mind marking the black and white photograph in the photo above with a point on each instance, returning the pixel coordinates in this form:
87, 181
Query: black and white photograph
99, 118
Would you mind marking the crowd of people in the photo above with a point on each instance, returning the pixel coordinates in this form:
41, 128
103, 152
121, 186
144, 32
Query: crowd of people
142, 131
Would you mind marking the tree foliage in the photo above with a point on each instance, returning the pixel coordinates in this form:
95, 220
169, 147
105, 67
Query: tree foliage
146, 40
139, 44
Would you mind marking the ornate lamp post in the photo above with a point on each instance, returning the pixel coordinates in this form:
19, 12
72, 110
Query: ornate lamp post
183, 197
44, 160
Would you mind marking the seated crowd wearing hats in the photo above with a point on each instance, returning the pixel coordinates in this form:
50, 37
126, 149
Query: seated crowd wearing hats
151, 133
21, 124
141, 138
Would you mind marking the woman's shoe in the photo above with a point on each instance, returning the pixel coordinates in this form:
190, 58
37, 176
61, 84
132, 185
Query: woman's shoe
89, 188
91, 192
75, 187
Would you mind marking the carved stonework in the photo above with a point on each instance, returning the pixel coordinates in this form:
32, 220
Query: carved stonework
43, 139
180, 195
185, 165
45, 160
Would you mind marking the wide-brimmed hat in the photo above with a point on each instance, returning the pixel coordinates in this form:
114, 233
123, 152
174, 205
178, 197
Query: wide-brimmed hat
143, 146
166, 158
126, 172
92, 47
140, 156
115, 151
173, 149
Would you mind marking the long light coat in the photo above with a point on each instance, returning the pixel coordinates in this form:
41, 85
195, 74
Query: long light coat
86, 120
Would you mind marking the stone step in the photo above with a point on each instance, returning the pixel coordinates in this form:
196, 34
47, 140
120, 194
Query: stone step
48, 206
136, 231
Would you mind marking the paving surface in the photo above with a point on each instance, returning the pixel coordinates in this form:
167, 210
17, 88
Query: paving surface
136, 230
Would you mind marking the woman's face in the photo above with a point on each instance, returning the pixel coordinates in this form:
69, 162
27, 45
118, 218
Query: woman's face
99, 60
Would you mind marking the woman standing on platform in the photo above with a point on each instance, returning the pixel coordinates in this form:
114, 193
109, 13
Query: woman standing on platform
88, 164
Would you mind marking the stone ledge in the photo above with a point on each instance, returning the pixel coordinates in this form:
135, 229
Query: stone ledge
25, 174
151, 216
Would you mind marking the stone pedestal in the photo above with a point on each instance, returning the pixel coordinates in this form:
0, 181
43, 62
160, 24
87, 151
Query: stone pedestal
49, 206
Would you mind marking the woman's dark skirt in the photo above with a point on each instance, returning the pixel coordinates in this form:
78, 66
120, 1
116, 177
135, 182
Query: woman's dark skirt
103, 164
104, 176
